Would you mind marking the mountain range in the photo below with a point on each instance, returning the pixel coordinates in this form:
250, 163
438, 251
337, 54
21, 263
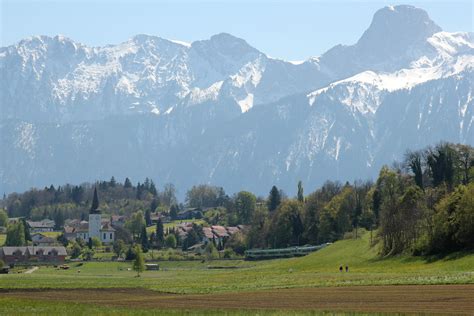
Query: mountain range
220, 111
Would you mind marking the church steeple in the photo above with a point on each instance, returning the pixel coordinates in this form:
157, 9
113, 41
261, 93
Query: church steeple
95, 203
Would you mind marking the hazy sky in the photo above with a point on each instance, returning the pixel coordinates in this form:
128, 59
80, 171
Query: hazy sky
292, 30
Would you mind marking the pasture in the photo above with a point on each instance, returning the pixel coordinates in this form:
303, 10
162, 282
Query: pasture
262, 285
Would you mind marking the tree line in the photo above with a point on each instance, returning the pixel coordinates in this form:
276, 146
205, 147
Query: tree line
422, 205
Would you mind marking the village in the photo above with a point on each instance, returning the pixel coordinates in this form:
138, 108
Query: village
47, 245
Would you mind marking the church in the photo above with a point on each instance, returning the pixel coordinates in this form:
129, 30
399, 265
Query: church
102, 230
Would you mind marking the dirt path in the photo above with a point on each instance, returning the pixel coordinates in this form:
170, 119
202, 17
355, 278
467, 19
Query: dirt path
430, 299
29, 271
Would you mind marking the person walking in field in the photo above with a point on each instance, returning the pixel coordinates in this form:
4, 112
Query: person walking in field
340, 268
347, 268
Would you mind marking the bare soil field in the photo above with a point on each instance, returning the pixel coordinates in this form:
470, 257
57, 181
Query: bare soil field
429, 299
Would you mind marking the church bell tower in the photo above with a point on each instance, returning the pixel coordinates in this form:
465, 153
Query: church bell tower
95, 217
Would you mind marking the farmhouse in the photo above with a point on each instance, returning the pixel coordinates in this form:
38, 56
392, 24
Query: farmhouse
216, 233
42, 240
11, 255
220, 234
118, 220
190, 213
45, 225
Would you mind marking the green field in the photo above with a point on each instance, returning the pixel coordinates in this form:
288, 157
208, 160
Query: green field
152, 229
52, 234
320, 269
317, 269
2, 239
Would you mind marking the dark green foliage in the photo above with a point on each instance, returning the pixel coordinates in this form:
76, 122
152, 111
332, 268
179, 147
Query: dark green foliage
3, 218
77, 194
413, 160
153, 189
58, 218
171, 241
300, 195
130, 254
160, 233
285, 229
245, 204
76, 251
26, 230
174, 212
154, 204
139, 261
144, 240
112, 182
274, 199
63, 240
441, 163
148, 217
453, 226
16, 234
194, 236
127, 184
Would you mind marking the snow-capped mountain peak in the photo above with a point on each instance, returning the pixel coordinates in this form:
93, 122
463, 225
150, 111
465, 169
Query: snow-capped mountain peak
217, 110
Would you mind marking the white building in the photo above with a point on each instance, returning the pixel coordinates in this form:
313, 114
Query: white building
94, 228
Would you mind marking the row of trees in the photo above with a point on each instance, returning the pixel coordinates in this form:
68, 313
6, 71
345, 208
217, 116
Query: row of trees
71, 201
422, 205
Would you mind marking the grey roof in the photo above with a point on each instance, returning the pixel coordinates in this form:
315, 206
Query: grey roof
9, 251
46, 223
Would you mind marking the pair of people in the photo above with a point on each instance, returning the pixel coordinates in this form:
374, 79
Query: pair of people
340, 268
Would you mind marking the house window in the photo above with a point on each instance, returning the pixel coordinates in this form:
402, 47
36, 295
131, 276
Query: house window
105, 236
111, 236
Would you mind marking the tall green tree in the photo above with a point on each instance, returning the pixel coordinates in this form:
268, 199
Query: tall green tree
160, 233
26, 230
15, 234
170, 241
286, 228
274, 199
127, 184
136, 223
144, 239
139, 261
148, 221
300, 194
413, 160
3, 218
174, 212
245, 204
441, 165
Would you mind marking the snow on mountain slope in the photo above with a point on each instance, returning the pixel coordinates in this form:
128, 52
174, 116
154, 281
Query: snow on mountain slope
363, 91
146, 74
220, 111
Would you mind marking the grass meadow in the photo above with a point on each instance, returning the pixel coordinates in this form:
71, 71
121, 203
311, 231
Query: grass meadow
3, 237
319, 269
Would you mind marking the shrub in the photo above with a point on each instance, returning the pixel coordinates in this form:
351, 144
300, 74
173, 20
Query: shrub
229, 253
170, 241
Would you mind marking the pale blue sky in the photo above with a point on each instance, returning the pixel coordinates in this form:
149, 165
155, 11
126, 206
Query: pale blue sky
292, 30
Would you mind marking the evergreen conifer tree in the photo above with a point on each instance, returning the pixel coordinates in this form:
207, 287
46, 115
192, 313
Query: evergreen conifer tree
300, 192
274, 199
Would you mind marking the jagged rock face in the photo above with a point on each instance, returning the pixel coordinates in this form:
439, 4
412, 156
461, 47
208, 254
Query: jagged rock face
220, 111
